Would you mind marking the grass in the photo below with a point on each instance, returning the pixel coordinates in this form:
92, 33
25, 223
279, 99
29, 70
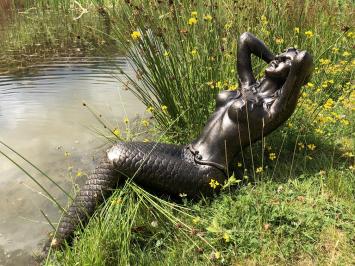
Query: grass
293, 203
40, 30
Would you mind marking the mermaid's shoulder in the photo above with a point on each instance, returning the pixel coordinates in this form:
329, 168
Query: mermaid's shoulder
227, 95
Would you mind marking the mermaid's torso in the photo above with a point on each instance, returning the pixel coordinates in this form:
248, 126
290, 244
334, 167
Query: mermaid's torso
229, 128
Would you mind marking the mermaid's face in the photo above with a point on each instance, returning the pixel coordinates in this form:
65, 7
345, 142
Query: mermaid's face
281, 65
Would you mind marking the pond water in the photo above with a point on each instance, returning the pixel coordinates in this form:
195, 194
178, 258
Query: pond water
42, 117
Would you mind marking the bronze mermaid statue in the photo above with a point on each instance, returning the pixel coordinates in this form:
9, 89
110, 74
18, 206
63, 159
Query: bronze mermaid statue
241, 117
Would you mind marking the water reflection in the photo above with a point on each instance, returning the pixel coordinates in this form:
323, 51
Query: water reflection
42, 117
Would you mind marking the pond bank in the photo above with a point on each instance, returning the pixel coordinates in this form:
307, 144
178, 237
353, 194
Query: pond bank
32, 33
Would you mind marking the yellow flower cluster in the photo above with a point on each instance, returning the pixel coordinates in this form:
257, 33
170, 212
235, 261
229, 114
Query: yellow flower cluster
279, 40
145, 122
116, 132
135, 35
214, 183
324, 61
329, 104
207, 17
194, 52
272, 156
311, 147
309, 34
192, 21
150, 109
264, 20
259, 170
164, 108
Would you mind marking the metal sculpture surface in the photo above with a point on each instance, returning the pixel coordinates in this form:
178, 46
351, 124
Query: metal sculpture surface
241, 117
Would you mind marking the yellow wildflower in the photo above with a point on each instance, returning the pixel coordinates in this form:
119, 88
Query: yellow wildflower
194, 52
343, 62
323, 61
192, 21
145, 122
329, 103
194, 13
346, 54
279, 40
207, 17
150, 109
296, 30
311, 146
310, 85
233, 87
309, 34
79, 173
67, 154
135, 35
214, 183
264, 20
348, 154
272, 156
116, 132
217, 255
211, 84
117, 201
239, 164
259, 170
300, 145
335, 50
164, 108
196, 220
319, 131
345, 122
226, 237
166, 53
350, 34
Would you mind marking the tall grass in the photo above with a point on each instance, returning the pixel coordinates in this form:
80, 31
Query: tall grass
38, 30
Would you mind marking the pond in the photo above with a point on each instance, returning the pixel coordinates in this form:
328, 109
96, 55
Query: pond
43, 118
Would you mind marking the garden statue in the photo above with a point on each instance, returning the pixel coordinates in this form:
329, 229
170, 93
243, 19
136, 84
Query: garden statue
241, 117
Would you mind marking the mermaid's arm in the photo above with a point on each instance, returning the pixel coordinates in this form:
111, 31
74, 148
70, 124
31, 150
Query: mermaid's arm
286, 97
248, 44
